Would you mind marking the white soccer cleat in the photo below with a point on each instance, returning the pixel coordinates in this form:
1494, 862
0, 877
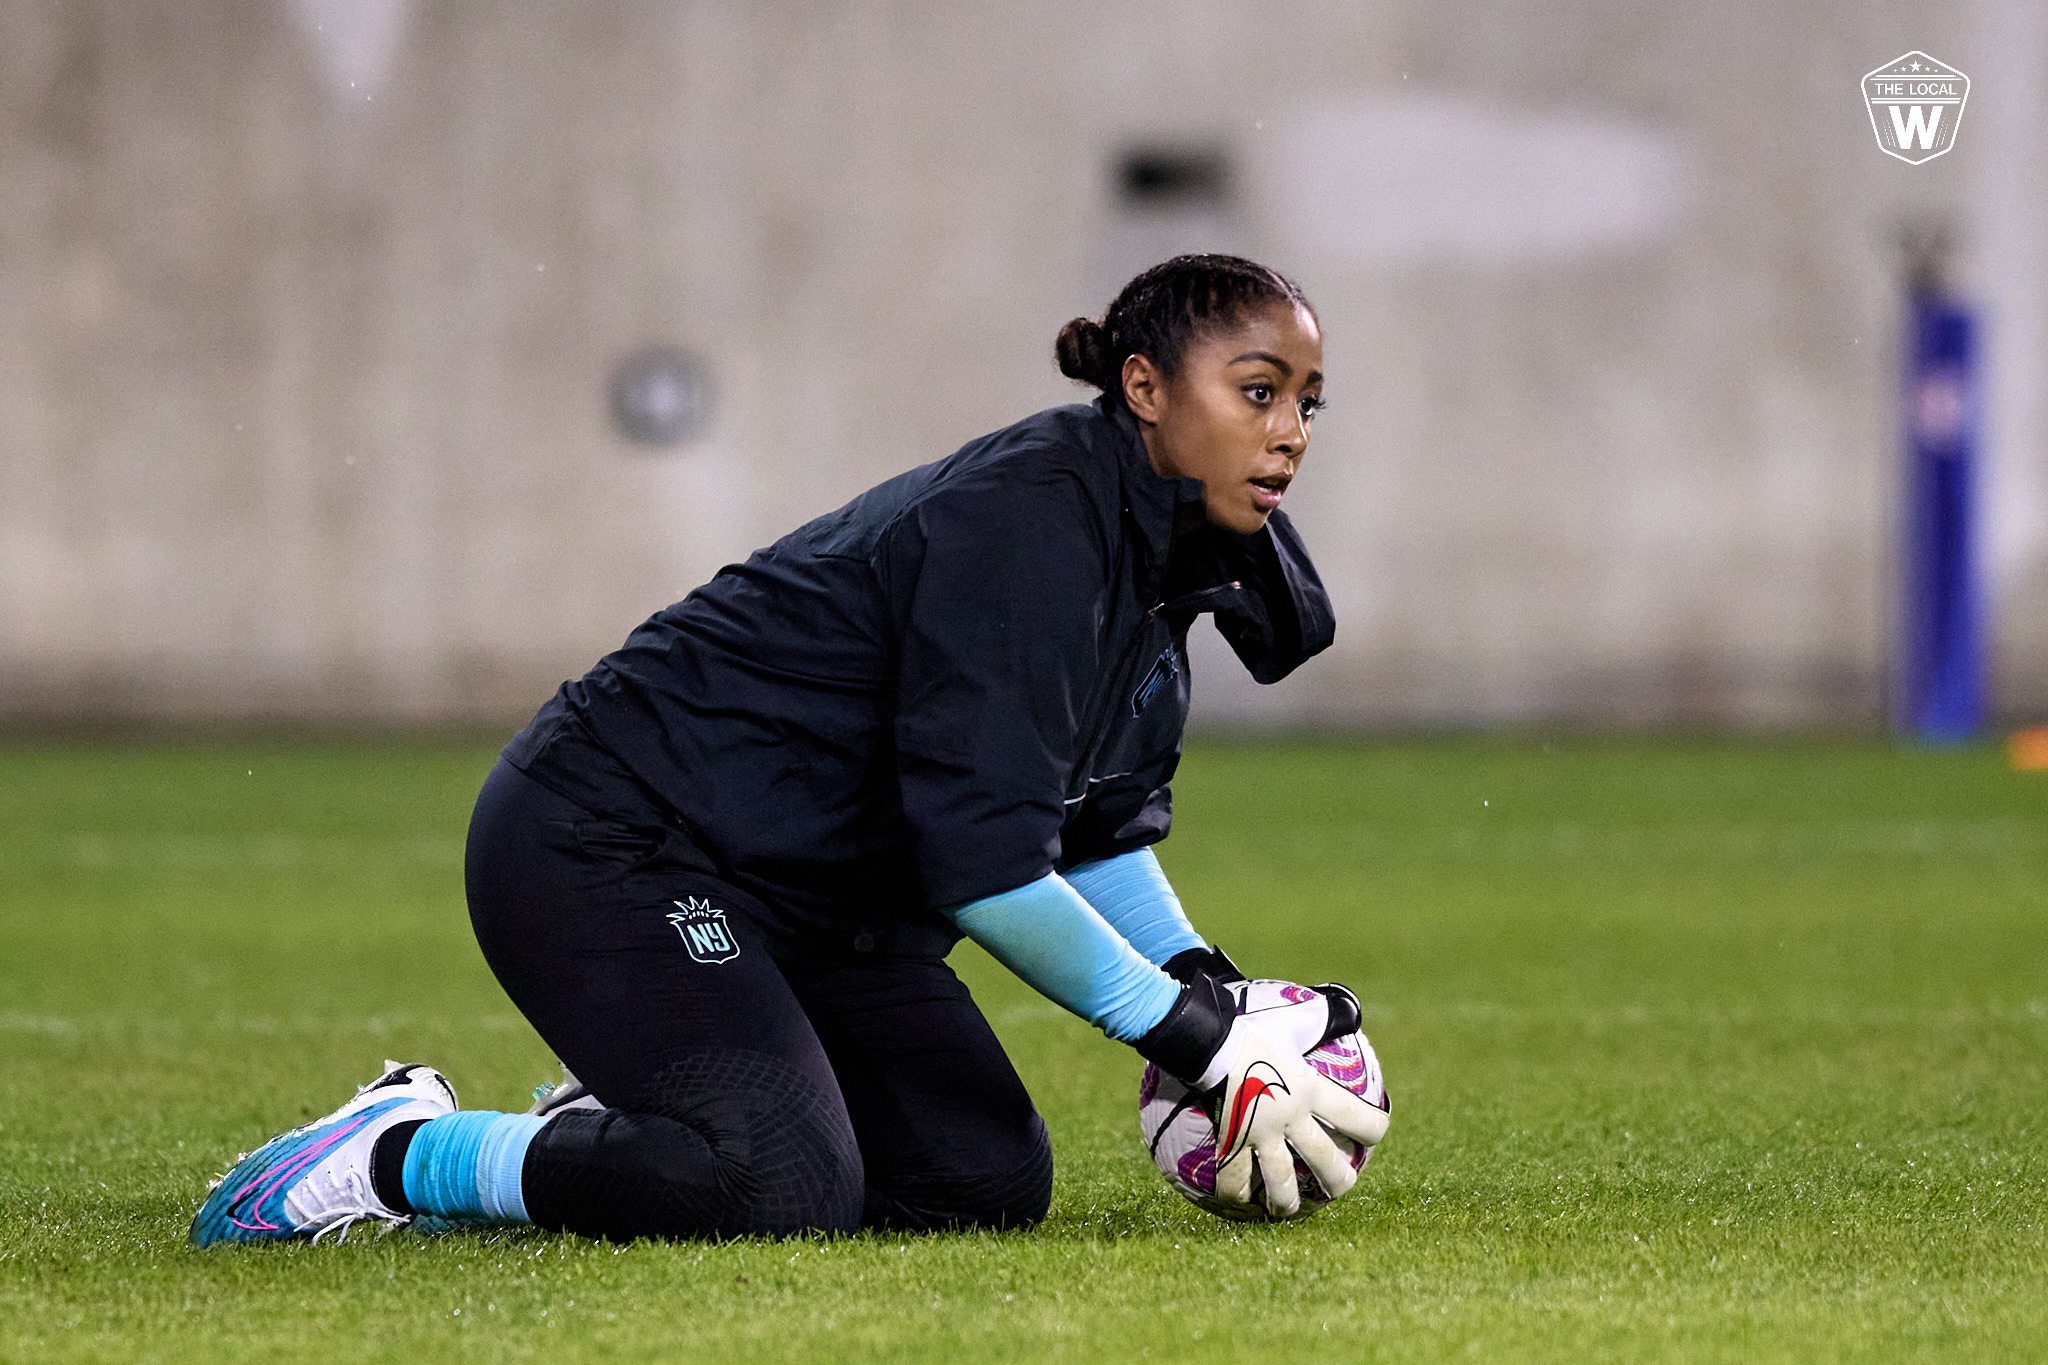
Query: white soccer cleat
316, 1179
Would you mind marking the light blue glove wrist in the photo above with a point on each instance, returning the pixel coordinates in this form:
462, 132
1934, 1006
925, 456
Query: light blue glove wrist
1045, 932
1132, 893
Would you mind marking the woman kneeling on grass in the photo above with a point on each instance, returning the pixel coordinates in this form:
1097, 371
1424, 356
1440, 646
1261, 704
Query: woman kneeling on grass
721, 872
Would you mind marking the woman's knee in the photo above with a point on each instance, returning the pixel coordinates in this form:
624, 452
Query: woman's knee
1009, 1186
725, 1145
768, 1178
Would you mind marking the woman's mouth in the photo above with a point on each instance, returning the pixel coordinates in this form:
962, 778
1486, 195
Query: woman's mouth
1266, 493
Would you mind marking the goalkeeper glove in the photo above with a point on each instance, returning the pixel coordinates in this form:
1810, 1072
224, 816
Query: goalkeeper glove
1301, 1017
1243, 1041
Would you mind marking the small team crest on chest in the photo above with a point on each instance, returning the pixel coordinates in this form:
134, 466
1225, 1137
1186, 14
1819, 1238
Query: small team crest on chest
1164, 670
704, 930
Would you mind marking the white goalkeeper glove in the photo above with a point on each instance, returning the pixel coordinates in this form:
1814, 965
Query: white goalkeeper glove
1245, 1040
1275, 1107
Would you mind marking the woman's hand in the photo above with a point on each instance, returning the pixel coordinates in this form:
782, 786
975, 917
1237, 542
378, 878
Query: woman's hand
1275, 1107
1243, 1041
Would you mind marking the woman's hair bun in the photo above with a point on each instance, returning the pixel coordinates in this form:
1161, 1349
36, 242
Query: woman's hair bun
1160, 312
1084, 354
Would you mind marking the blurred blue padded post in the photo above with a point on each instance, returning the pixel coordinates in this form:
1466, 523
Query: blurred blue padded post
1941, 665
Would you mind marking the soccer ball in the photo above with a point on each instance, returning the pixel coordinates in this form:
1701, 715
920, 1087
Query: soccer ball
1181, 1135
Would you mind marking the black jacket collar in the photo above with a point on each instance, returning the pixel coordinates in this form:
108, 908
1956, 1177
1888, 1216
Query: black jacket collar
1156, 501
1277, 617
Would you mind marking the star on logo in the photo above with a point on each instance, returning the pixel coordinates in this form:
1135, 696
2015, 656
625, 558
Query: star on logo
1914, 67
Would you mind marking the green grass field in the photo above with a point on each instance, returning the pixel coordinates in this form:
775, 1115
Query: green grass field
1699, 1051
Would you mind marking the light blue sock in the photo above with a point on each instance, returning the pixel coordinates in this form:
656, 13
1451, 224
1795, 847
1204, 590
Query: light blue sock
465, 1167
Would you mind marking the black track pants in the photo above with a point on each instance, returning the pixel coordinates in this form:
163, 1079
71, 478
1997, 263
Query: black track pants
746, 1095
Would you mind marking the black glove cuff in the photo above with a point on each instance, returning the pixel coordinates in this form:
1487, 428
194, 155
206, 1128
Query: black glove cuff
1212, 961
1184, 1042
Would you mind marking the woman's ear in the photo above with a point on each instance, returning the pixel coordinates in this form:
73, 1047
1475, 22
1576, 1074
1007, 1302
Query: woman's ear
1144, 389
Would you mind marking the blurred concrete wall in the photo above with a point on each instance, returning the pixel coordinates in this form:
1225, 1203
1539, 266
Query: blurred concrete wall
307, 309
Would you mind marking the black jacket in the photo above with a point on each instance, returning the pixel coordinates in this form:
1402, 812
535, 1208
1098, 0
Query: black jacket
968, 675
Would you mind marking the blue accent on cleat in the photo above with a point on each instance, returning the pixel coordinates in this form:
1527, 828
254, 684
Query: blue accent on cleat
316, 1178
249, 1203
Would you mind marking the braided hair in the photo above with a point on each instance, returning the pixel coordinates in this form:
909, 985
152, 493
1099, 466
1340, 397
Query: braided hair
1164, 309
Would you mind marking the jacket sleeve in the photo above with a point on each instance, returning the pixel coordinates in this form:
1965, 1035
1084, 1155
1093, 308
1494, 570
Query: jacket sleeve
997, 589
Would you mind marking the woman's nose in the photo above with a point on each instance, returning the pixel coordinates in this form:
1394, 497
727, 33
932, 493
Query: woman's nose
1291, 438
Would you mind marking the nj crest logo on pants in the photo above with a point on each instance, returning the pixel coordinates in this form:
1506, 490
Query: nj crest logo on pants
1916, 106
704, 930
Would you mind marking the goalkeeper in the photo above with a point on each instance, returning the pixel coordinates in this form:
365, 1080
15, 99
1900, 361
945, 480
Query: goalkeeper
721, 872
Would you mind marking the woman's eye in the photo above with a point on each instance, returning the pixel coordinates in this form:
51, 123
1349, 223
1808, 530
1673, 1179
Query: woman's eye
1311, 404
1261, 394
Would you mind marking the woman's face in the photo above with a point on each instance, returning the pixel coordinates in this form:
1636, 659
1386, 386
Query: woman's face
1237, 415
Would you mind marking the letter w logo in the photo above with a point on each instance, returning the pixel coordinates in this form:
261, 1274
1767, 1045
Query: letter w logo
1921, 101
1915, 124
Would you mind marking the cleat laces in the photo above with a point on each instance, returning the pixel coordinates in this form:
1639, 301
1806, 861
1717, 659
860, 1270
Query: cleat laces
349, 1195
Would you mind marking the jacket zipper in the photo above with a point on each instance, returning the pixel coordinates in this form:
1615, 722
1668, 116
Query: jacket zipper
1194, 598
